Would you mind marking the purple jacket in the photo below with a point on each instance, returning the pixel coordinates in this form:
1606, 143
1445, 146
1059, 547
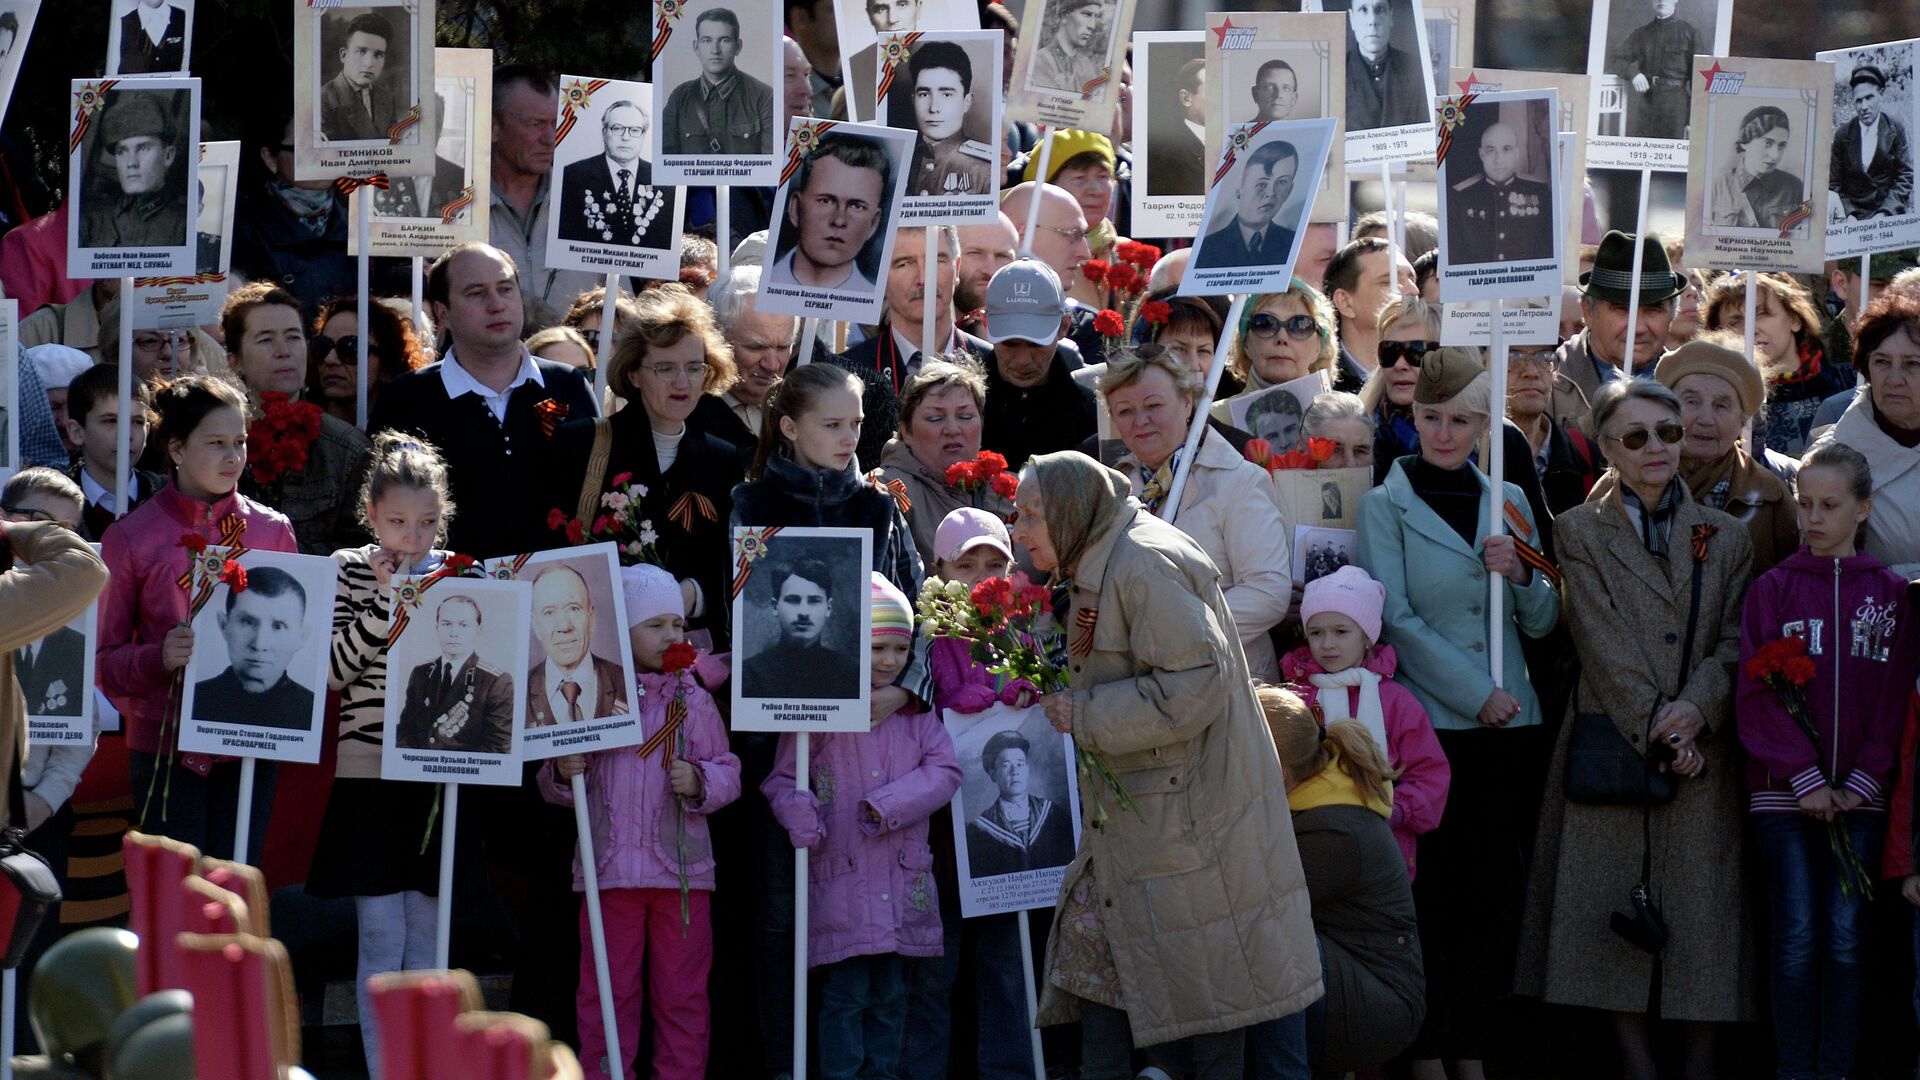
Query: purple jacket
870, 886
964, 685
1420, 791
632, 807
1854, 617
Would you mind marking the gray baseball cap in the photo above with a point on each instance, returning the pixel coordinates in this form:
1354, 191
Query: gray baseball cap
1025, 303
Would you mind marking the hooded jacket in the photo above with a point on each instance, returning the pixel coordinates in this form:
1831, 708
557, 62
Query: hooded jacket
1893, 535
1854, 616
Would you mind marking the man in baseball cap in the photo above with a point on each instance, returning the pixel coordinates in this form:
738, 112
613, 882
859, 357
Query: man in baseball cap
1034, 406
143, 207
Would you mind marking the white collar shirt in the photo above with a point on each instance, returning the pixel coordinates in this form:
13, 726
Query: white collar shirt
583, 675
459, 382
154, 20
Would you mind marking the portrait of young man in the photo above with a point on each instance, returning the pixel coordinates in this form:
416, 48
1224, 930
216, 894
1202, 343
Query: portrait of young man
610, 198
950, 157
153, 39
1871, 174
1248, 235
800, 663
723, 109
358, 103
1076, 38
1276, 89
144, 204
263, 627
1019, 830
837, 203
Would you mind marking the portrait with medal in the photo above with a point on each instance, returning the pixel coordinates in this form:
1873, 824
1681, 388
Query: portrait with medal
611, 212
456, 704
1500, 197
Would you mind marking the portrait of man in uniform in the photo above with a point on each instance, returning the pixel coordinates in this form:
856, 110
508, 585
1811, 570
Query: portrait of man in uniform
425, 196
948, 159
610, 198
263, 626
456, 701
357, 105
1176, 150
800, 663
1654, 62
1276, 87
1250, 236
1753, 190
1019, 830
723, 110
145, 205
1075, 40
1497, 214
1384, 87
571, 683
836, 204
153, 39
52, 671
1871, 170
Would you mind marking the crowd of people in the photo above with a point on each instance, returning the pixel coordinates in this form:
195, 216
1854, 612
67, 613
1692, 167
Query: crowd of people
1353, 839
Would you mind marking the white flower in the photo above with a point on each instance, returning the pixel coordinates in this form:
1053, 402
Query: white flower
633, 548
638, 491
647, 535
614, 500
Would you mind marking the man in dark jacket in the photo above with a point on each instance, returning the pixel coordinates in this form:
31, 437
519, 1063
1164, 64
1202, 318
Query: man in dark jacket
1871, 174
1034, 406
153, 39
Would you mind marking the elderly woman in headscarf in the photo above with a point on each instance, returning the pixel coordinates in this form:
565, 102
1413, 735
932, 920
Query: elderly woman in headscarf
1184, 916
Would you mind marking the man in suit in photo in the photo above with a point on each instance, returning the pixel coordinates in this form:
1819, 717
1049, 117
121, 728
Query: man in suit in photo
570, 684
355, 106
1384, 88
1872, 164
799, 664
263, 626
153, 39
610, 198
457, 702
1250, 237
1176, 153
52, 673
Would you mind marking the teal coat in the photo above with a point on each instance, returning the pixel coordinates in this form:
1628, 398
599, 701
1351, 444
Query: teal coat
1436, 611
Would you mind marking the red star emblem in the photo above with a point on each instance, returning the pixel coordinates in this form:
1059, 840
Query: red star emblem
1467, 86
1226, 27
1710, 73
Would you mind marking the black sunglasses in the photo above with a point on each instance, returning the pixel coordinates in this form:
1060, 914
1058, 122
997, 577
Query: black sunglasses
593, 338
347, 348
1266, 327
1668, 433
1392, 352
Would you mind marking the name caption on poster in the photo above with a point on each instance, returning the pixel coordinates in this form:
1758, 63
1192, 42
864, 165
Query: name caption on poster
815, 299
451, 766
241, 739
805, 712
159, 262
1519, 273
53, 731
574, 735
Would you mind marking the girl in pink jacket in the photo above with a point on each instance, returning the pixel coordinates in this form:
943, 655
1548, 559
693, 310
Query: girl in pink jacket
870, 881
640, 805
144, 638
1341, 614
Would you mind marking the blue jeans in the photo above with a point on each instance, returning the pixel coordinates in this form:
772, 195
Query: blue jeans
863, 1017
1278, 1049
1818, 978
202, 810
1004, 1047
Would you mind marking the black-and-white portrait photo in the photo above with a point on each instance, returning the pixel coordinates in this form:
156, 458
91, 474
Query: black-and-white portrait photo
1274, 81
138, 158
367, 80
581, 663
149, 37
1500, 197
16, 25
1871, 175
1644, 76
860, 23
217, 176
718, 73
607, 190
1257, 211
801, 619
456, 703
256, 685
945, 93
1388, 81
1277, 417
1176, 132
429, 196
52, 673
1075, 45
1014, 815
1441, 46
1757, 162
1319, 551
832, 220
1020, 829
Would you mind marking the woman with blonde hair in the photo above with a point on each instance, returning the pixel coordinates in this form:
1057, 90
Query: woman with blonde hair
1281, 337
1786, 346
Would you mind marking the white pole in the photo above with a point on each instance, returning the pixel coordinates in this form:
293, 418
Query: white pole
609, 304
9, 987
809, 336
1393, 244
929, 293
723, 230
597, 927
1033, 207
1171, 507
420, 320
364, 199
1866, 290
1400, 214
1497, 505
1633, 288
1033, 1004
443, 920
801, 766
243, 817
1748, 317
123, 435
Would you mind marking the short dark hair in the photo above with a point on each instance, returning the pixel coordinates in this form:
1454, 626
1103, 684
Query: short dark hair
942, 54
98, 384
479, 617
437, 285
10, 21
1270, 65
1191, 73
854, 151
1760, 121
507, 76
270, 581
1003, 741
370, 23
1271, 154
718, 14
1344, 271
806, 568
243, 302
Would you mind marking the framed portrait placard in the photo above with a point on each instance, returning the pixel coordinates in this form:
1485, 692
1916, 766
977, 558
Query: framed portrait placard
1276, 66
1276, 413
131, 178
1389, 114
426, 214
863, 25
611, 212
1322, 498
1319, 551
1571, 99
1066, 63
1500, 196
1169, 132
456, 696
1876, 116
701, 45
1016, 817
1449, 40
256, 684
1258, 204
833, 216
801, 623
1757, 196
56, 678
363, 89
940, 86
149, 37
1640, 58
16, 27
196, 299
580, 675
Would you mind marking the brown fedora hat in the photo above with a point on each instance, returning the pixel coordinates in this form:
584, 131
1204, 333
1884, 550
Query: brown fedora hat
1611, 278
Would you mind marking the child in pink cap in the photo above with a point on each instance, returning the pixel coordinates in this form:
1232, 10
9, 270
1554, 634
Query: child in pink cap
971, 546
1345, 676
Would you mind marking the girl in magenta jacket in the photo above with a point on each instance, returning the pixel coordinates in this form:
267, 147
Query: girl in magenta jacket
972, 546
638, 807
1341, 615
1852, 613
870, 880
144, 638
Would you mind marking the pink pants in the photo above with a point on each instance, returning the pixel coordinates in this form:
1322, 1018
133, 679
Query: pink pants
675, 979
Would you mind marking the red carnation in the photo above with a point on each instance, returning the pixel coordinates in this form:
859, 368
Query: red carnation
575, 531
556, 518
193, 542
1006, 485
458, 564
1108, 323
679, 657
234, 575
990, 464
1156, 312
1145, 256
962, 473
620, 479
1094, 270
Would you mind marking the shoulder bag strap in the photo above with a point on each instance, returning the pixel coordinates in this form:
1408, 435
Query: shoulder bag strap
1686, 658
596, 474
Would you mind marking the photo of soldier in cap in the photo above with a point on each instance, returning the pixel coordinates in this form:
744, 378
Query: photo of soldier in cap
1871, 174
360, 101
1019, 830
957, 152
1015, 821
133, 189
1076, 40
1501, 206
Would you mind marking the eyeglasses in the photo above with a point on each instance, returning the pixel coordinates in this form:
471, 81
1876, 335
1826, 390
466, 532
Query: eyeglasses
1267, 327
694, 372
1668, 433
1072, 235
625, 131
1535, 362
1391, 353
593, 338
160, 342
347, 349
27, 513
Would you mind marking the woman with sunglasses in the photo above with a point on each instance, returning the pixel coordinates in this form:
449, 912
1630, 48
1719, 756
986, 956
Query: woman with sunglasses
1281, 337
1654, 582
1422, 534
334, 352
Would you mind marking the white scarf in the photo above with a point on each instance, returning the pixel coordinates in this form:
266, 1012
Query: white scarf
1333, 701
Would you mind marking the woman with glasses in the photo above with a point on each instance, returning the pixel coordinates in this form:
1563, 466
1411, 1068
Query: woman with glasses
334, 352
672, 354
1423, 534
1653, 581
1281, 337
159, 355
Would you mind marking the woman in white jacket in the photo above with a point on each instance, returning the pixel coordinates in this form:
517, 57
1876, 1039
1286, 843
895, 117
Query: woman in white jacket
1228, 505
1884, 425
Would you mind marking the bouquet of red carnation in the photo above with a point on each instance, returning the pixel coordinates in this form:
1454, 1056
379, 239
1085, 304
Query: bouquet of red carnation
1312, 456
1156, 312
1000, 619
619, 521
1143, 256
1784, 666
279, 441
988, 471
